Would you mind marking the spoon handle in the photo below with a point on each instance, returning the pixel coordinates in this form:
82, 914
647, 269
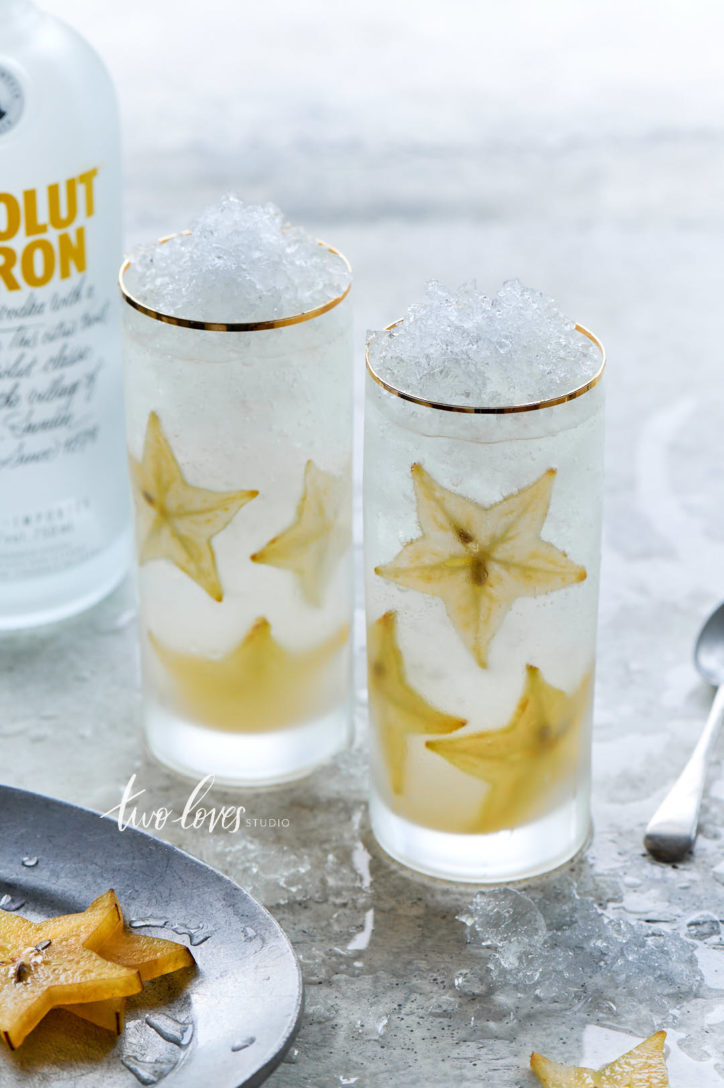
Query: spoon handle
671, 832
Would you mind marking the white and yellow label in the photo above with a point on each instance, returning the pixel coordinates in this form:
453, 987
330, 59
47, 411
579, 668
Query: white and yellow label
43, 232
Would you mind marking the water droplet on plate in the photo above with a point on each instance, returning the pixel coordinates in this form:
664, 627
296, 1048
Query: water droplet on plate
173, 1031
248, 933
29, 862
10, 902
382, 1026
292, 1056
147, 1073
156, 923
242, 1044
196, 934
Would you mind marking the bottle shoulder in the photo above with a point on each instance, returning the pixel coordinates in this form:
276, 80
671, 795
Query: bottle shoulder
66, 89
47, 47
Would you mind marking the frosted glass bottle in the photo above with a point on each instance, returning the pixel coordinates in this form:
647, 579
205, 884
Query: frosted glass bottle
64, 517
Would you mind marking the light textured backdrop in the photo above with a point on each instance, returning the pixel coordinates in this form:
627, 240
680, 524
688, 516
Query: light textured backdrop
579, 146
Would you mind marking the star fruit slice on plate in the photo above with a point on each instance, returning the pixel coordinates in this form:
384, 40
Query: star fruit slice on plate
149, 956
109, 1014
51, 963
642, 1067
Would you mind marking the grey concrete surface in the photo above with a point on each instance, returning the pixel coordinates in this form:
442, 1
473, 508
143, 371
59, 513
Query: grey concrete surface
579, 147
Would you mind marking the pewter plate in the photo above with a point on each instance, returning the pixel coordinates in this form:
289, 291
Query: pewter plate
226, 1023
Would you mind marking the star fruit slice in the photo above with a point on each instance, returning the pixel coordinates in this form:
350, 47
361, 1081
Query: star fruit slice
642, 1067
480, 559
176, 520
259, 684
317, 538
51, 963
109, 1014
528, 762
399, 711
150, 956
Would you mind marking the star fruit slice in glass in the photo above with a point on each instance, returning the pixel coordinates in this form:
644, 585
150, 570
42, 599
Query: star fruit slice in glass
400, 711
317, 538
258, 685
176, 521
480, 559
528, 763
51, 963
642, 1067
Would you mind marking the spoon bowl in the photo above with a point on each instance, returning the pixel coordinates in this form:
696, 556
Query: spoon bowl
709, 649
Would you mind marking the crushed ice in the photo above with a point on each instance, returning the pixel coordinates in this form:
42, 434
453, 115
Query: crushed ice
548, 954
463, 347
239, 262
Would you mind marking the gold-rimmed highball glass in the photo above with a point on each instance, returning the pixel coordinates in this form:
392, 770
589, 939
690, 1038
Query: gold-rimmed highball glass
239, 442
482, 546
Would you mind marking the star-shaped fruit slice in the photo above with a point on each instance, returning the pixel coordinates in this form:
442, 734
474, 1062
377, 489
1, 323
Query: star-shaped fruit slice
149, 956
642, 1067
93, 926
480, 559
529, 761
317, 538
175, 520
109, 1014
46, 964
398, 710
258, 685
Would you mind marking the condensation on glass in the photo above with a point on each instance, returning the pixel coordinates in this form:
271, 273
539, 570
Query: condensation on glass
239, 440
482, 548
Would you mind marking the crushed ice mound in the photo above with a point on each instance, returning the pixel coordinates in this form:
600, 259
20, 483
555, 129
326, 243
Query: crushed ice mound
550, 952
466, 348
240, 262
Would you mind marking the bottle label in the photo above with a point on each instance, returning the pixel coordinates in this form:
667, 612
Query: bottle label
60, 412
38, 542
48, 376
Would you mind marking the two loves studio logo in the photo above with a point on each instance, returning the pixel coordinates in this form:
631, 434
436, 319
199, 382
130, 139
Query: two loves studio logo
195, 815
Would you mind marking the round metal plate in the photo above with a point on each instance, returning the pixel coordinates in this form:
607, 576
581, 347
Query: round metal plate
227, 1023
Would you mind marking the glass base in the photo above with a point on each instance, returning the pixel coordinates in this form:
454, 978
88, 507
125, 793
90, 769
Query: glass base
36, 601
485, 859
245, 759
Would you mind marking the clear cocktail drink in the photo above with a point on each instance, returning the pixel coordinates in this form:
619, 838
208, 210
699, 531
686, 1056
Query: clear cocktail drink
239, 436
482, 543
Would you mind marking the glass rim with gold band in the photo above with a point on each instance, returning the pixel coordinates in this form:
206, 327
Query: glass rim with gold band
491, 410
231, 326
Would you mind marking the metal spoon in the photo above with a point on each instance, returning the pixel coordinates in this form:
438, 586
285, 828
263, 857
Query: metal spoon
671, 833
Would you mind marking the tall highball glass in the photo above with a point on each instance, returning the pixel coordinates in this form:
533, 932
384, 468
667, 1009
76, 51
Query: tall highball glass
482, 546
239, 440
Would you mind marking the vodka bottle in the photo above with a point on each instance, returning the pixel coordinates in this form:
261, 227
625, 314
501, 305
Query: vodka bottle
64, 520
